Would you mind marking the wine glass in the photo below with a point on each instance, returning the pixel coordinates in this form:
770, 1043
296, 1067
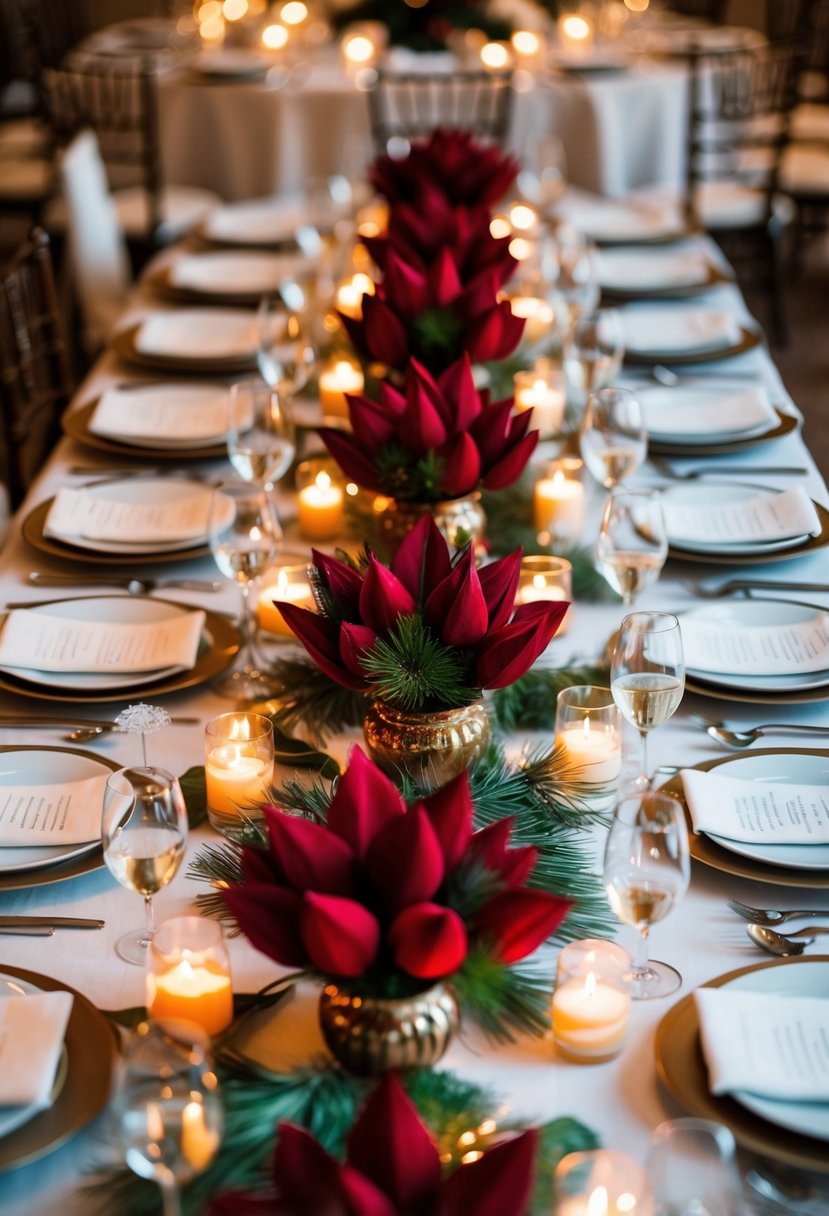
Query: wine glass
633, 544
167, 1112
285, 350
612, 437
693, 1169
593, 350
646, 871
261, 439
578, 271
647, 675
143, 833
244, 538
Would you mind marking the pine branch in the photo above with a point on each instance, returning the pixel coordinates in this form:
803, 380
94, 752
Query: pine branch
305, 695
530, 703
411, 669
505, 1001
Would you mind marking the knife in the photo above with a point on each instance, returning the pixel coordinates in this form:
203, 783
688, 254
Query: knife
54, 922
27, 930
69, 722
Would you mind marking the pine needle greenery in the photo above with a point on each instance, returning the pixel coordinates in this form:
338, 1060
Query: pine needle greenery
504, 1001
530, 703
412, 669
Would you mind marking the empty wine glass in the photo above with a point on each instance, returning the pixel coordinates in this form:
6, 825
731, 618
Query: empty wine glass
244, 538
646, 871
543, 176
167, 1112
578, 271
593, 350
143, 833
612, 437
633, 544
261, 439
647, 675
285, 350
693, 1169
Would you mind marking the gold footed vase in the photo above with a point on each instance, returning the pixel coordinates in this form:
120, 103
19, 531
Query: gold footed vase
459, 520
369, 1035
431, 747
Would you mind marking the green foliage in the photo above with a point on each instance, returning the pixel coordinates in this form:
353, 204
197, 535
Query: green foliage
296, 753
304, 694
530, 703
435, 338
411, 669
410, 478
195, 795
505, 1001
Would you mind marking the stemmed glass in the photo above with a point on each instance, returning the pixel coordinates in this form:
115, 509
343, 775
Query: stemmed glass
646, 871
244, 538
167, 1112
578, 271
593, 350
285, 350
143, 833
693, 1169
647, 675
633, 544
261, 439
612, 437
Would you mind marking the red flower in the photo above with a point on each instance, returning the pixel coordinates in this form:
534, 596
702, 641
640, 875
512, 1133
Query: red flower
428, 941
392, 1168
466, 171
471, 440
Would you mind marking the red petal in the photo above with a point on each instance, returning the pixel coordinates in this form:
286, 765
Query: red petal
355, 641
450, 810
390, 1145
350, 457
364, 801
371, 422
422, 559
383, 598
340, 935
510, 651
342, 581
269, 918
421, 427
466, 620
512, 464
309, 856
490, 431
315, 634
404, 286
444, 280
458, 386
514, 923
305, 1174
384, 334
499, 581
362, 1197
494, 334
405, 860
497, 1184
461, 466
440, 602
429, 941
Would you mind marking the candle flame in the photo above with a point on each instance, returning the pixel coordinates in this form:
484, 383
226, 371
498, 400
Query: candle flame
539, 581
526, 42
558, 478
597, 1204
585, 726
274, 37
359, 49
590, 983
522, 216
240, 729
577, 28
323, 480
519, 248
539, 385
234, 10
294, 12
626, 1202
493, 55
499, 226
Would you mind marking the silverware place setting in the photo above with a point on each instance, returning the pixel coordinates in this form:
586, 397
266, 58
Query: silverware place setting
773, 916
744, 738
135, 586
668, 470
737, 586
781, 944
79, 730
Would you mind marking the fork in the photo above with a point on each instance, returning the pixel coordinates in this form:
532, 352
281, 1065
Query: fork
735, 585
773, 916
135, 586
667, 469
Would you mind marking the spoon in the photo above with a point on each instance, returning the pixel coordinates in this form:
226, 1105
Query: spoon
779, 943
82, 734
745, 738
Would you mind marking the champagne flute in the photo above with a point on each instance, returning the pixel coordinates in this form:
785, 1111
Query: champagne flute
167, 1112
693, 1168
612, 437
594, 350
633, 544
646, 871
647, 675
285, 350
143, 833
244, 538
261, 439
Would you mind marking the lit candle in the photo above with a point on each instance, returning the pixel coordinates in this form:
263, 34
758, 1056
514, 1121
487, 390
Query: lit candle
359, 51
350, 296
601, 1183
546, 578
526, 44
558, 505
595, 749
192, 991
495, 56
539, 317
198, 1141
575, 35
320, 509
238, 766
291, 584
274, 37
590, 1018
336, 379
534, 391
373, 219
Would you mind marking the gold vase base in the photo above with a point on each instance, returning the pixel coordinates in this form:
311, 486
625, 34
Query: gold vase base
370, 1035
431, 748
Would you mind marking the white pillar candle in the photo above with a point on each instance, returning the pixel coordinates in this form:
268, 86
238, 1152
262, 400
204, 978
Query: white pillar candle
320, 509
291, 584
337, 378
534, 391
539, 317
590, 1017
558, 505
350, 294
595, 749
235, 780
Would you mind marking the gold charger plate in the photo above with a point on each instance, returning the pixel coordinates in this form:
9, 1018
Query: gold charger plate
681, 1069
714, 277
220, 644
91, 1049
786, 423
32, 532
200, 233
756, 559
709, 853
718, 692
123, 344
748, 340
75, 423
161, 282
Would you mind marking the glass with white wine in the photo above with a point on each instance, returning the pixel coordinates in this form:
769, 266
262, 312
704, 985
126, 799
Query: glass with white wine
245, 536
593, 351
633, 544
612, 436
261, 439
647, 675
646, 871
143, 833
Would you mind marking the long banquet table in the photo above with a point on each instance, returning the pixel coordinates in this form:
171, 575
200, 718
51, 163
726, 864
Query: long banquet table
622, 1100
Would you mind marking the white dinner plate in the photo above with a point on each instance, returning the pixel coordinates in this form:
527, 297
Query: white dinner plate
619, 223
695, 494
655, 270
207, 406
261, 222
125, 609
757, 612
205, 334
223, 272
795, 979
783, 769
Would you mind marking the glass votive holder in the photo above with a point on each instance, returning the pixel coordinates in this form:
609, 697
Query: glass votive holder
282, 582
601, 1183
559, 501
589, 728
539, 315
320, 499
238, 768
591, 1001
542, 577
188, 974
338, 376
350, 292
542, 390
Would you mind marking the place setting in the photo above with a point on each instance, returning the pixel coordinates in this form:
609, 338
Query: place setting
623, 221
710, 416
648, 274
678, 333
221, 341
224, 277
268, 223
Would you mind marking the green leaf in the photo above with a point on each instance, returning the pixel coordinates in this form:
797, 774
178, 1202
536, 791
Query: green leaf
413, 670
296, 753
195, 795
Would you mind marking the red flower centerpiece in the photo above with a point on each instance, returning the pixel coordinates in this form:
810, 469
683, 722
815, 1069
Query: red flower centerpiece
392, 1167
465, 171
384, 900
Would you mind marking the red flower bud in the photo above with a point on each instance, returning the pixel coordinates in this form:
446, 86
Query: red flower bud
514, 923
365, 800
429, 941
389, 1145
450, 811
422, 559
309, 856
383, 598
511, 650
340, 935
269, 918
497, 1184
405, 860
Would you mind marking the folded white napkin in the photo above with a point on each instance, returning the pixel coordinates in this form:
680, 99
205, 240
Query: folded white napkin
32, 1029
153, 413
651, 328
35, 815
764, 1043
756, 812
54, 643
220, 273
763, 517
606, 220
263, 221
729, 647
708, 411
86, 514
227, 62
199, 333
651, 269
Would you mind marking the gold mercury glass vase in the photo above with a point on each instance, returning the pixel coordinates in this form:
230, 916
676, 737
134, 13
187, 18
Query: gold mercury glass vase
459, 520
432, 746
369, 1035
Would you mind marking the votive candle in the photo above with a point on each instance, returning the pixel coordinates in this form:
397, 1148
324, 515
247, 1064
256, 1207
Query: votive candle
559, 500
320, 507
591, 1002
545, 578
188, 976
285, 583
338, 377
601, 1183
238, 766
542, 392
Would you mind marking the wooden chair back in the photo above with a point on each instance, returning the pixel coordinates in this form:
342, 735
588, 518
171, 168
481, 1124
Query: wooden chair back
406, 105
